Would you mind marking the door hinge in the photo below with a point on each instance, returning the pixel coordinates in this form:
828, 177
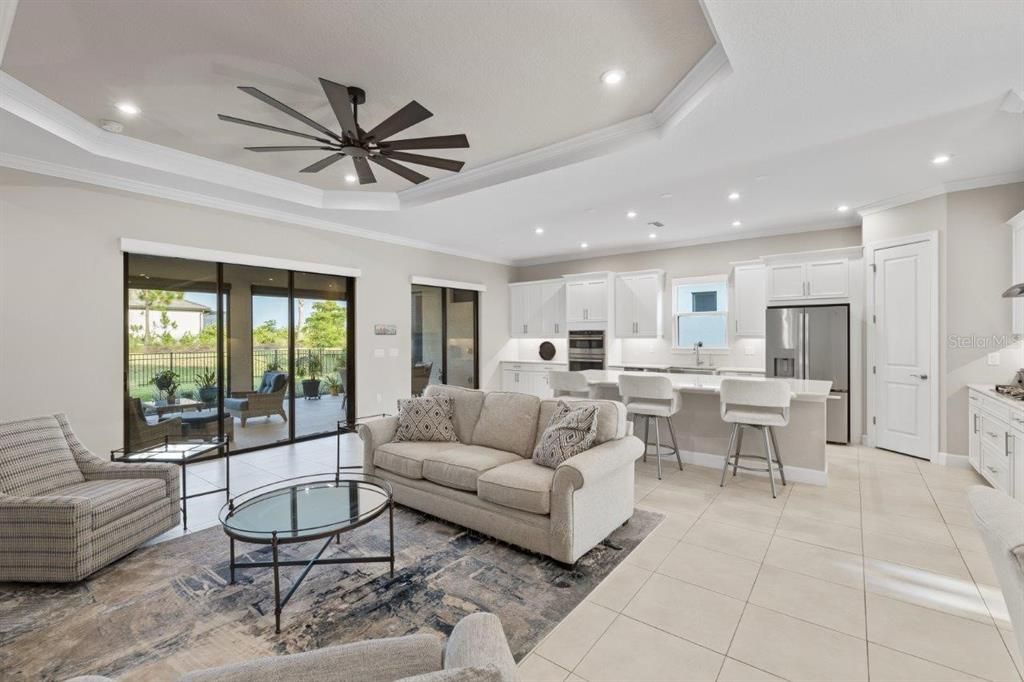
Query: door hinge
874, 369
874, 420
874, 319
874, 268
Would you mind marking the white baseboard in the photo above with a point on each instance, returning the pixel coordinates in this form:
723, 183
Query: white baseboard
950, 460
793, 474
866, 441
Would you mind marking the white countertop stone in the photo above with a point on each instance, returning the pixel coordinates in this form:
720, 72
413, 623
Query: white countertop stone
564, 363
752, 370
803, 389
989, 390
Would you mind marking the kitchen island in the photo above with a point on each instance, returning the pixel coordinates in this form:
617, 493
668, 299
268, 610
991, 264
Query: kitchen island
703, 437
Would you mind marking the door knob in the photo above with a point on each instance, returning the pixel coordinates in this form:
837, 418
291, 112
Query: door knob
922, 377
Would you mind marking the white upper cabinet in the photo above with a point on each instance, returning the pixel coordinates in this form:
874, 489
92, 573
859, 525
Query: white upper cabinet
586, 300
536, 309
748, 300
638, 304
810, 280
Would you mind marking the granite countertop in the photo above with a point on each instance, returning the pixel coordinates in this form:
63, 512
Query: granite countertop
803, 389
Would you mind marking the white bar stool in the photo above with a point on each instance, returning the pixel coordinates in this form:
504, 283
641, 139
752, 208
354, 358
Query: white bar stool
757, 405
569, 384
647, 397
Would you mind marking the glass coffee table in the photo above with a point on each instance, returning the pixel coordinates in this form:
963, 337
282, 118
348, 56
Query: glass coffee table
302, 509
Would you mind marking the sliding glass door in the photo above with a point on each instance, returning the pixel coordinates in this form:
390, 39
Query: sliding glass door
444, 337
265, 362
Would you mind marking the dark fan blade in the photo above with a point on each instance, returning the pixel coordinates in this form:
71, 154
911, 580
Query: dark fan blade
437, 142
281, 106
398, 169
264, 126
284, 149
406, 117
337, 95
433, 161
322, 163
363, 170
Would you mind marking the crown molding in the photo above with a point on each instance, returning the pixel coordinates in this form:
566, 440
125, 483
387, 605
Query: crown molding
944, 188
447, 283
775, 231
7, 11
195, 198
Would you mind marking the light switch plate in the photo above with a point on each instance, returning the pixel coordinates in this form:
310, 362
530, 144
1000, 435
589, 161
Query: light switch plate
378, 352
393, 352
748, 349
993, 359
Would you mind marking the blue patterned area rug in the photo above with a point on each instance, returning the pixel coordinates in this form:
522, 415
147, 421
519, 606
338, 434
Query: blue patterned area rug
169, 608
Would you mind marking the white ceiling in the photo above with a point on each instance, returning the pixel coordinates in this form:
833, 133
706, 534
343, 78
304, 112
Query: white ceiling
828, 103
513, 76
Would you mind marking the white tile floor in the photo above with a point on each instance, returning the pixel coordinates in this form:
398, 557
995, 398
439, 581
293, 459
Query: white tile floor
879, 576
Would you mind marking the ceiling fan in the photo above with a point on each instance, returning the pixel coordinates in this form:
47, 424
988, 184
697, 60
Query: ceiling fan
361, 145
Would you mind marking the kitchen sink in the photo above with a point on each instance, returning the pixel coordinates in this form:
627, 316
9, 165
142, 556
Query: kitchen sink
691, 369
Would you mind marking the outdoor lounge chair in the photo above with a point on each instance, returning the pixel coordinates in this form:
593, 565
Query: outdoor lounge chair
141, 433
266, 401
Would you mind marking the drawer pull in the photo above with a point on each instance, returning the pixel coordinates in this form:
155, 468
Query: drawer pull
992, 435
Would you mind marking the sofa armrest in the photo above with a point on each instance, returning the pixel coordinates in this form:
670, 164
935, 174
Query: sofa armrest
170, 474
381, 660
374, 434
45, 534
598, 462
478, 641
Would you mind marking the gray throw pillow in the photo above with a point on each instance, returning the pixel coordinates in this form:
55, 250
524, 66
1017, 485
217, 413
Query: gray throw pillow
570, 431
428, 418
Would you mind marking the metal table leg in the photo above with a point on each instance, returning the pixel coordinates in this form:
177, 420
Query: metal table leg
277, 586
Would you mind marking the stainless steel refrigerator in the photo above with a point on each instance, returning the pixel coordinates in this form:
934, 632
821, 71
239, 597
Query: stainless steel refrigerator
813, 342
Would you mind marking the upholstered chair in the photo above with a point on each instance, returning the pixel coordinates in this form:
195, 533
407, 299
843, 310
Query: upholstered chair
265, 401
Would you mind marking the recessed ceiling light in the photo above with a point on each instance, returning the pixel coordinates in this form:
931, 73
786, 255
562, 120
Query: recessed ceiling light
842, 208
613, 77
631, 214
734, 196
350, 178
584, 245
538, 230
736, 223
127, 108
652, 235
941, 159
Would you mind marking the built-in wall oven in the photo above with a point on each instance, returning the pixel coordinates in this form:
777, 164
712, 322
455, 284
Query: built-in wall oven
586, 350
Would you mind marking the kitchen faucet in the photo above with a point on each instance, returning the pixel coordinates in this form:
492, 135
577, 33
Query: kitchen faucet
696, 349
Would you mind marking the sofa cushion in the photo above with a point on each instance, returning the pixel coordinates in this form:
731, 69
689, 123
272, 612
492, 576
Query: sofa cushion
508, 421
520, 485
466, 407
458, 467
571, 431
112, 499
35, 457
406, 458
611, 417
427, 418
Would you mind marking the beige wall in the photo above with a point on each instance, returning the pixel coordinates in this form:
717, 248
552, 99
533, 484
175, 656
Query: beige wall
974, 268
61, 294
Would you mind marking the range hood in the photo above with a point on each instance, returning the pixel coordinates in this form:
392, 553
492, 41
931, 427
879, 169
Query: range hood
1016, 291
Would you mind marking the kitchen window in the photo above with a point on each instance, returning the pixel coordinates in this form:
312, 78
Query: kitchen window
700, 312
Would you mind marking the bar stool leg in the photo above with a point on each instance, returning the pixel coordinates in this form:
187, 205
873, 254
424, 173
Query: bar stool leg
675, 446
768, 457
775, 451
739, 448
657, 444
728, 453
647, 434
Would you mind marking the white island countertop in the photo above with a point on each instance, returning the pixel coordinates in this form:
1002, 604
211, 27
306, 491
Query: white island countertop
803, 389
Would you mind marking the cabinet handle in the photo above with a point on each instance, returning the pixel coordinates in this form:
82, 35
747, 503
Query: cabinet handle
975, 423
1006, 444
992, 435
556, 327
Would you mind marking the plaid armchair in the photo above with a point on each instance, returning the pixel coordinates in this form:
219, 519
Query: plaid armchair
64, 512
267, 400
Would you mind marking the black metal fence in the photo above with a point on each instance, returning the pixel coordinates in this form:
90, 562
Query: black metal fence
142, 367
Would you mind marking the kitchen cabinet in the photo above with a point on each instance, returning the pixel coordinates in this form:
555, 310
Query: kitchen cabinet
586, 300
638, 304
996, 441
814, 279
537, 309
1017, 223
748, 300
529, 377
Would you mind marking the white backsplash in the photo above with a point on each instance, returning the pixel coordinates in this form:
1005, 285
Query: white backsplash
743, 353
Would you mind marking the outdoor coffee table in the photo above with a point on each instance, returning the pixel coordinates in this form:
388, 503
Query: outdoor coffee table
302, 509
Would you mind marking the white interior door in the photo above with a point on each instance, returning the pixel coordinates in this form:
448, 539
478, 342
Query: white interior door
904, 276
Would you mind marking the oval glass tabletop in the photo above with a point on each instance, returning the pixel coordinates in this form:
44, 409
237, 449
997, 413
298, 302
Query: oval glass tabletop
306, 508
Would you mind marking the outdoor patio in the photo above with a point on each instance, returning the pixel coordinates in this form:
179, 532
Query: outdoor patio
311, 416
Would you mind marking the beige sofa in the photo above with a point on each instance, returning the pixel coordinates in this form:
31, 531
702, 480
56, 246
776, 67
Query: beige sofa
488, 482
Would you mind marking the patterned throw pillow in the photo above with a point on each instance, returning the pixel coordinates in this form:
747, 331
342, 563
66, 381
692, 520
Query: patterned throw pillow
428, 418
570, 431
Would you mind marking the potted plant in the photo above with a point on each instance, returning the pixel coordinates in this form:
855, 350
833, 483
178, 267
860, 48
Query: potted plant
274, 365
333, 384
311, 367
166, 382
207, 382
